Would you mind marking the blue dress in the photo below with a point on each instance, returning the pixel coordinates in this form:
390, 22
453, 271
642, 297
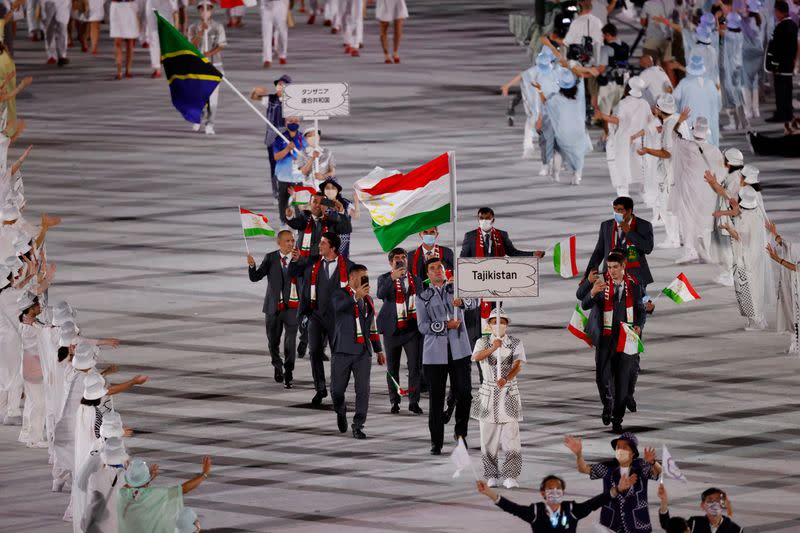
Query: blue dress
703, 100
566, 131
753, 51
732, 69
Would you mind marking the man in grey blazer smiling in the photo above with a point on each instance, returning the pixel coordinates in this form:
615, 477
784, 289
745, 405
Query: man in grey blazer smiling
446, 351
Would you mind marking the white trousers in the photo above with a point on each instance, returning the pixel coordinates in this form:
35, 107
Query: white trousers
10, 397
141, 13
55, 17
274, 24
332, 12
5, 142
497, 439
30, 16
352, 22
166, 9
210, 111
33, 415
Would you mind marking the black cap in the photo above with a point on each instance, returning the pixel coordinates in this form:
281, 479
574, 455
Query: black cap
332, 181
285, 79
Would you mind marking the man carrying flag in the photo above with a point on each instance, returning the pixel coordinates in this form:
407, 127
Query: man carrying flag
614, 298
280, 303
191, 77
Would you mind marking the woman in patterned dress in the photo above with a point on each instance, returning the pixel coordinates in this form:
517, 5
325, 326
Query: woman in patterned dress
498, 406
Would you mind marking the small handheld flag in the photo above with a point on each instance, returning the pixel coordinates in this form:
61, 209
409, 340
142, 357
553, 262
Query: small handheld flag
578, 323
680, 290
190, 75
401, 391
302, 194
564, 261
629, 342
671, 469
255, 224
460, 458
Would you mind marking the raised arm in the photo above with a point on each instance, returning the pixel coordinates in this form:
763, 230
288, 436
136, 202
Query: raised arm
122, 387
575, 445
189, 486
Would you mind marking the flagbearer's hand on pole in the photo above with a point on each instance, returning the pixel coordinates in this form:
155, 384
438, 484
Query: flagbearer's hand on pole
381, 358
484, 489
250, 261
458, 302
538, 253
453, 323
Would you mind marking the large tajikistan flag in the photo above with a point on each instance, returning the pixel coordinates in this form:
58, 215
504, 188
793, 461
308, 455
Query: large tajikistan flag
403, 204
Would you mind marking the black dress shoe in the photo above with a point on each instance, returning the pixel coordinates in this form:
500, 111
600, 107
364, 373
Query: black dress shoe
316, 401
631, 404
395, 408
616, 427
288, 384
606, 417
341, 421
278, 375
416, 409
358, 434
436, 450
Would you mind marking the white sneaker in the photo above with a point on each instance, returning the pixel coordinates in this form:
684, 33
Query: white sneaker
669, 245
576, 178
210, 130
58, 485
491, 482
690, 257
756, 325
544, 171
195, 127
67, 515
510, 483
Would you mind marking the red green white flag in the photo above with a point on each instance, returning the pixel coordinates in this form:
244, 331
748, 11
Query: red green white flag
564, 258
254, 224
404, 204
628, 341
680, 290
302, 194
578, 323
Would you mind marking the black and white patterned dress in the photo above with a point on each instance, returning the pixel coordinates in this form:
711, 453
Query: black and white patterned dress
493, 404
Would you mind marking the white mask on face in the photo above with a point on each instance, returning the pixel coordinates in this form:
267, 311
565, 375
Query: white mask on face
553, 495
623, 456
485, 225
330, 194
500, 330
205, 14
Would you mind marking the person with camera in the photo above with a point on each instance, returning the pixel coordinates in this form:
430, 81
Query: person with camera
323, 275
334, 202
323, 215
583, 41
714, 502
613, 67
355, 339
397, 322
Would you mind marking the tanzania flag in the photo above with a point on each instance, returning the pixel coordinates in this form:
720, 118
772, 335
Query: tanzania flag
191, 77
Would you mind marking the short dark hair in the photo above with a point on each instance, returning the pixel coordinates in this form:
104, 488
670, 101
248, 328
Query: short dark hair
677, 524
782, 6
551, 477
356, 267
431, 261
63, 353
710, 492
333, 239
486, 211
395, 252
624, 201
570, 93
616, 257
609, 29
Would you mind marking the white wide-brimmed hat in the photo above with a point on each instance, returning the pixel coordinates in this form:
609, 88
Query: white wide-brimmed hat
21, 243
62, 313
700, 130
734, 157
696, 66
137, 474
111, 426
9, 212
750, 174
666, 104
13, 263
186, 520
69, 334
498, 314
636, 85
25, 300
94, 386
566, 79
85, 356
113, 452
5, 272
748, 198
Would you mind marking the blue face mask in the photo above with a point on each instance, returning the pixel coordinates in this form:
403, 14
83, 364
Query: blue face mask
293, 127
429, 239
619, 217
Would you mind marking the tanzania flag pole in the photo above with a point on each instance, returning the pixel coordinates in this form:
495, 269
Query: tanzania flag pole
191, 76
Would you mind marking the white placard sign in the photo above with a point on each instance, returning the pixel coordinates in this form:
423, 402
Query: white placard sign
498, 277
316, 100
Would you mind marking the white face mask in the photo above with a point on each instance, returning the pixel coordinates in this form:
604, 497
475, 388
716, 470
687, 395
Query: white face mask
553, 495
500, 330
623, 456
485, 225
205, 14
330, 194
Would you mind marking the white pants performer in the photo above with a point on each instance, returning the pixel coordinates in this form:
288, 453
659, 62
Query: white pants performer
497, 439
352, 20
55, 18
10, 398
166, 8
141, 10
274, 24
332, 12
30, 16
33, 416
210, 110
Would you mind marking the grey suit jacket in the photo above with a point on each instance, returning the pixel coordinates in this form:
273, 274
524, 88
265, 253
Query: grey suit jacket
279, 283
432, 315
344, 332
